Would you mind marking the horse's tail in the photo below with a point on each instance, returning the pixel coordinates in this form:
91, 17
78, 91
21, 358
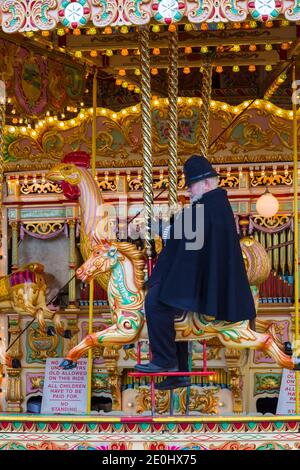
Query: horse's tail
257, 261
42, 314
263, 326
59, 327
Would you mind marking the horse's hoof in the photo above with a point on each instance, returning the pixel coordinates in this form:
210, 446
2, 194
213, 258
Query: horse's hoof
51, 331
288, 349
129, 346
68, 364
296, 363
67, 334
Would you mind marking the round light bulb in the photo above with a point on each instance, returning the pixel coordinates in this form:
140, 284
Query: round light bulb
267, 205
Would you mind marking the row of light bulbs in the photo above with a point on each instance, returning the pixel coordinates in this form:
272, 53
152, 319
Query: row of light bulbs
186, 71
86, 113
187, 49
162, 173
252, 24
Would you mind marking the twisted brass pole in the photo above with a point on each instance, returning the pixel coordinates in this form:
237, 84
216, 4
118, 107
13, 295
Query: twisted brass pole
2, 125
146, 131
173, 113
296, 232
204, 110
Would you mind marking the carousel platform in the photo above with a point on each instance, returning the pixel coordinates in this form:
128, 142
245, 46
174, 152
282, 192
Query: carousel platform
31, 432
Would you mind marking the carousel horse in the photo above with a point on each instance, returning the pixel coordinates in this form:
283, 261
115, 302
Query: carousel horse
126, 300
91, 206
24, 292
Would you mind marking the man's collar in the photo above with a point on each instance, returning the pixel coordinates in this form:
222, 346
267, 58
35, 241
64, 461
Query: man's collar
196, 199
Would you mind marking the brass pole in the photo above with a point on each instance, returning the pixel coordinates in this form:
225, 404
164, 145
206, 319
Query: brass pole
2, 127
15, 247
146, 132
91, 293
90, 352
296, 227
72, 264
94, 124
204, 110
173, 116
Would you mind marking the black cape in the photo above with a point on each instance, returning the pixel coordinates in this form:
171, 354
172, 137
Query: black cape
211, 280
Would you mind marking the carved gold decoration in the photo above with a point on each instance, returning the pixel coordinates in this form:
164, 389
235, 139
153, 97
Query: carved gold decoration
135, 184
203, 400
42, 346
37, 383
271, 222
173, 116
111, 357
143, 400
229, 181
132, 354
43, 228
108, 185
272, 180
100, 383
14, 329
213, 351
235, 378
14, 396
4, 288
40, 188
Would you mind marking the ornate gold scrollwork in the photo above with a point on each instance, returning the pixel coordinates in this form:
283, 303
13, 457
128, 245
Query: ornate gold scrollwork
271, 222
42, 346
135, 184
108, 185
40, 188
37, 382
229, 181
280, 178
203, 400
43, 228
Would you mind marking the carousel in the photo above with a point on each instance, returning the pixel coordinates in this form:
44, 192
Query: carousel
101, 103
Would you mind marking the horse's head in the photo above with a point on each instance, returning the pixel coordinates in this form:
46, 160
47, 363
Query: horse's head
65, 172
102, 259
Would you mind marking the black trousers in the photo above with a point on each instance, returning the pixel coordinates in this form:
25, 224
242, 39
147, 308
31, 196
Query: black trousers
161, 329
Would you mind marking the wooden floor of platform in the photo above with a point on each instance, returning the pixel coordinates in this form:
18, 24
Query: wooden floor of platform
32, 432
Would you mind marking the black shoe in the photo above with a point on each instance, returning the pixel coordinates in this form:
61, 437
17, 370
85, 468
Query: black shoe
153, 368
173, 382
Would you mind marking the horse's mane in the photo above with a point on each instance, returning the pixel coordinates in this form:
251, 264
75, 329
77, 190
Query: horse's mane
137, 258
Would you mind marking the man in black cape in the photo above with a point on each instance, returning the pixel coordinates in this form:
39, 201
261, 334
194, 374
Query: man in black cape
200, 269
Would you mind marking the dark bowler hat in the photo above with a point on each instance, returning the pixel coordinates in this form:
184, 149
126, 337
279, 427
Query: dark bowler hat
197, 168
